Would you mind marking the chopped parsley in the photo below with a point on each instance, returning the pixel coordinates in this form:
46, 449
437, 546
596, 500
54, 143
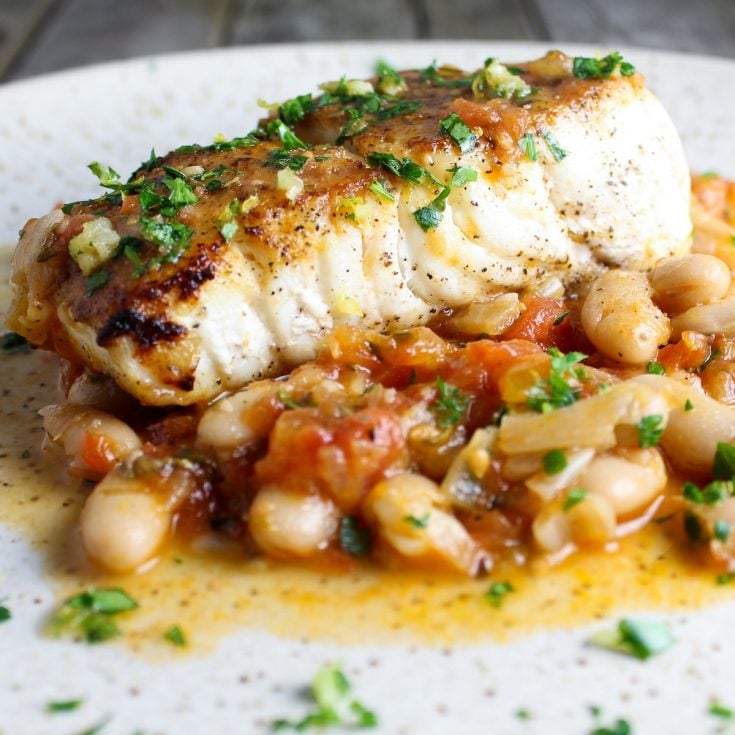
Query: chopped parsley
561, 318
296, 109
354, 536
96, 280
68, 705
389, 80
289, 139
640, 638
523, 714
432, 75
528, 145
12, 342
711, 494
497, 592
713, 355
461, 176
180, 193
306, 401
172, 239
91, 614
459, 132
5, 614
723, 466
556, 150
335, 705
619, 727
724, 578
379, 188
450, 405
650, 428
556, 391
719, 710
655, 368
175, 636
574, 496
228, 230
418, 523
280, 159
585, 67
554, 462
688, 405
405, 169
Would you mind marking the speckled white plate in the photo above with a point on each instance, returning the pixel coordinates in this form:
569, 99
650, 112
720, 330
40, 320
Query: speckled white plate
50, 128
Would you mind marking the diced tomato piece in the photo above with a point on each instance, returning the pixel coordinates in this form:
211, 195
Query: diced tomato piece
97, 455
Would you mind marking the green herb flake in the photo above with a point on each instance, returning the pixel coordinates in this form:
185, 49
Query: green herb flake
461, 176
554, 462
710, 175
719, 710
90, 614
418, 523
650, 428
12, 342
459, 132
721, 530
561, 318
354, 536
175, 636
25, 454
723, 466
693, 527
68, 705
523, 714
528, 145
96, 729
428, 218
724, 578
639, 638
450, 405
5, 614
655, 368
556, 391
289, 139
584, 67
95, 281
575, 496
619, 727
181, 194
228, 230
335, 704
713, 355
106, 175
556, 150
497, 592
379, 188
688, 405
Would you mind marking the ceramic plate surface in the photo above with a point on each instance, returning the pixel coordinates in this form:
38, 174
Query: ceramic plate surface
50, 128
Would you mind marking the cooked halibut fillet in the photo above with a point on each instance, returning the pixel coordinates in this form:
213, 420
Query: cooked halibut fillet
218, 265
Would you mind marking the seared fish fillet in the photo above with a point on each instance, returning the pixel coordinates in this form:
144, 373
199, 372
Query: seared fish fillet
215, 266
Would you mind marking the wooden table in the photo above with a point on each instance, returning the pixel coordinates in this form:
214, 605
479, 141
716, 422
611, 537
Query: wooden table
38, 36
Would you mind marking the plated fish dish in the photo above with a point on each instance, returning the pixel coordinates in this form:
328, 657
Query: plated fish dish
433, 319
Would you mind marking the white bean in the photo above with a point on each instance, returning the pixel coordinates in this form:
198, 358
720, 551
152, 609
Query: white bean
629, 480
127, 517
592, 520
491, 317
683, 281
411, 515
718, 317
621, 320
287, 523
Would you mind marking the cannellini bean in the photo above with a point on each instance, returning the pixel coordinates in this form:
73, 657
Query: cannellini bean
591, 422
691, 436
491, 317
93, 440
592, 520
287, 523
551, 530
683, 281
628, 480
411, 515
547, 487
127, 518
707, 319
621, 320
241, 418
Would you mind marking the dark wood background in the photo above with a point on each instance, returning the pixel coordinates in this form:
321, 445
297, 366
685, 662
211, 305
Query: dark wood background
38, 36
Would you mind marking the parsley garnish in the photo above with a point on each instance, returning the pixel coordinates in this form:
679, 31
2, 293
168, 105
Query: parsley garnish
294, 110
554, 462
181, 194
585, 67
723, 466
289, 139
655, 368
461, 175
96, 280
688, 405
228, 230
12, 342
280, 158
431, 75
497, 592
405, 169
574, 496
639, 638
710, 494
175, 636
619, 727
90, 614
650, 429
528, 145
450, 404
719, 710
378, 187
335, 704
68, 705
556, 391
417, 523
354, 536
459, 132
724, 578
172, 239
556, 150
5, 614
